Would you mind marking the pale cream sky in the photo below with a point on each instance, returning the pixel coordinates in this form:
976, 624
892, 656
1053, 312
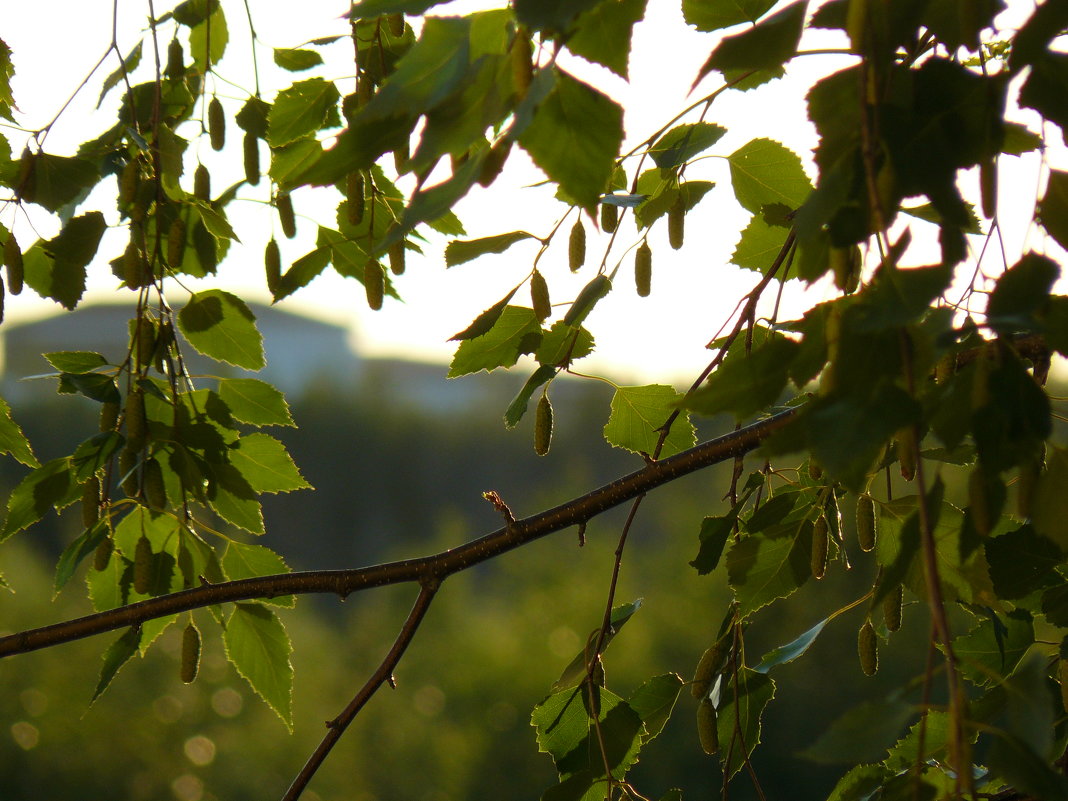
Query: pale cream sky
661, 337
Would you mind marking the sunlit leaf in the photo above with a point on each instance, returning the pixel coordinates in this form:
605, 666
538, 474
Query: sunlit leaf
711, 15
498, 347
49, 486
255, 402
13, 441
683, 142
770, 565
764, 172
266, 465
567, 734
243, 560
654, 700
300, 110
575, 137
792, 650
221, 325
295, 60
603, 34
768, 45
741, 704
638, 413
459, 251
56, 269
258, 646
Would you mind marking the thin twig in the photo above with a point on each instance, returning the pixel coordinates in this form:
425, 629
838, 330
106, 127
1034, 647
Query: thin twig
336, 727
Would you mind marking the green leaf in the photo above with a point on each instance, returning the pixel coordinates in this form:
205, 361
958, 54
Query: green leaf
575, 671
215, 223
859, 783
768, 45
603, 33
301, 109
771, 565
366, 9
433, 205
117, 655
847, 434
241, 560
498, 347
711, 15
96, 386
792, 650
1021, 562
575, 137
232, 497
252, 118
862, 734
991, 650
258, 647
56, 269
208, 40
1011, 758
564, 343
459, 251
485, 321
965, 575
714, 534
741, 704
763, 172
93, 454
931, 733
221, 325
518, 407
1050, 506
759, 246
566, 733
551, 15
746, 385
1020, 292
1052, 210
13, 441
255, 402
1019, 140
296, 60
654, 700
683, 142
637, 416
266, 464
75, 361
129, 64
51, 485
7, 69
74, 553
56, 181
434, 68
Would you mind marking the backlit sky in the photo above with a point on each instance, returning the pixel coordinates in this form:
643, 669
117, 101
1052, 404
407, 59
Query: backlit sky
661, 338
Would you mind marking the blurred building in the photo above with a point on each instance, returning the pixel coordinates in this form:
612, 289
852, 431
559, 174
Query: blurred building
303, 354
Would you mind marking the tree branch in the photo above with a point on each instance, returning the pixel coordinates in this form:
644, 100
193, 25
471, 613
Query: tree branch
426, 569
336, 727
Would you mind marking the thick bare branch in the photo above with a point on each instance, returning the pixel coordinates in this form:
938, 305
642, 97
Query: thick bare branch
426, 569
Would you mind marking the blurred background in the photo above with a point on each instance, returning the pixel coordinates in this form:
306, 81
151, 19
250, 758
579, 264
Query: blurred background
400, 457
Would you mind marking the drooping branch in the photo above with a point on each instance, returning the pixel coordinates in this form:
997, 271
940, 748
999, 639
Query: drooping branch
426, 569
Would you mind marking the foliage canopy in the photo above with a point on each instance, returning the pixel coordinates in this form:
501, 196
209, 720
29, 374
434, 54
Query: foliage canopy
934, 372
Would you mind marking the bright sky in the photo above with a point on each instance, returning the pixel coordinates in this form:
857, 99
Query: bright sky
662, 337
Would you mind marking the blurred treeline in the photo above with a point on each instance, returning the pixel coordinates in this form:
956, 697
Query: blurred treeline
397, 479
